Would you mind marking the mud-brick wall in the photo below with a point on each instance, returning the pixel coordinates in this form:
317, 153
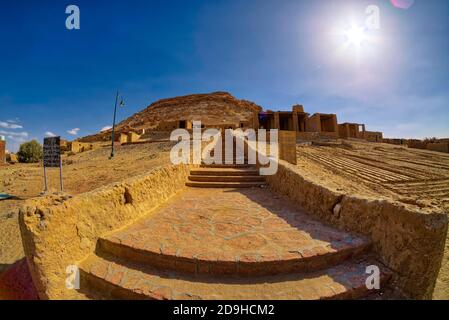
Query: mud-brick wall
409, 241
58, 232
374, 136
416, 144
287, 146
308, 136
313, 123
343, 131
2, 152
439, 147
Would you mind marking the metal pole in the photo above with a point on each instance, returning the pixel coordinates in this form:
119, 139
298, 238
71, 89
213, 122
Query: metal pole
113, 127
45, 179
60, 176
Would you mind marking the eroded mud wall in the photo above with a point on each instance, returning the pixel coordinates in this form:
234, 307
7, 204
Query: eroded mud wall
58, 232
409, 241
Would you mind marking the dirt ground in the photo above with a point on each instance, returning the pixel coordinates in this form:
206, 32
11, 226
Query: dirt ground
82, 172
413, 177
377, 170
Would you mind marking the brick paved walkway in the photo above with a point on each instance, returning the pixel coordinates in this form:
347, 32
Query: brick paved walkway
228, 244
237, 226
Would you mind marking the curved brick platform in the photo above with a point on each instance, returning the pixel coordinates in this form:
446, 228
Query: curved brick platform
228, 244
118, 279
229, 231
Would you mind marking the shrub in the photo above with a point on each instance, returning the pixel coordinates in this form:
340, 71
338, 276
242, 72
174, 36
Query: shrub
30, 152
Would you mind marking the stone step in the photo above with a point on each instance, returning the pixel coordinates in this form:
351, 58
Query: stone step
229, 244
222, 178
242, 232
231, 166
224, 172
247, 263
234, 164
196, 184
119, 279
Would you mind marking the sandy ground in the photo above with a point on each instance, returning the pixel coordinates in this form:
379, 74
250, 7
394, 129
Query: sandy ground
82, 172
376, 170
413, 177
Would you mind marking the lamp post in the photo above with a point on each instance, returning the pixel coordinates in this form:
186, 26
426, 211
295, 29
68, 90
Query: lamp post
113, 127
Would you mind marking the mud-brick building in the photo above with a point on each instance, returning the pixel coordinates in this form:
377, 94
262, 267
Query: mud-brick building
77, 147
2, 150
223, 111
325, 124
373, 136
351, 130
127, 137
305, 126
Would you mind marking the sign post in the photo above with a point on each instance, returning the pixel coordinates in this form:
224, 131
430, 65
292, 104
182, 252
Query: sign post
52, 158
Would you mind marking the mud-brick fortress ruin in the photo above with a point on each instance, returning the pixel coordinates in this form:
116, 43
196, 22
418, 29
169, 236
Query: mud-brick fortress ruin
224, 231
222, 111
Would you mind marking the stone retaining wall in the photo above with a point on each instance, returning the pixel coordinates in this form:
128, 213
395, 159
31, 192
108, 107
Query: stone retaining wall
409, 241
60, 231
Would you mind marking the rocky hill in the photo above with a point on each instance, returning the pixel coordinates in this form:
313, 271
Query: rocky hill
211, 109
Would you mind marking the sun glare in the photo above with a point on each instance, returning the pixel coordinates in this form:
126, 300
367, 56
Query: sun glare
355, 42
355, 36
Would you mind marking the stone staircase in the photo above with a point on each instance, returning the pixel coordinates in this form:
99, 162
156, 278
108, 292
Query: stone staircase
227, 238
225, 176
112, 278
229, 244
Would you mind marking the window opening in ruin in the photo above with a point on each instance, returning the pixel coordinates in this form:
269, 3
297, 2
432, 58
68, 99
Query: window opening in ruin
327, 124
266, 121
182, 124
286, 122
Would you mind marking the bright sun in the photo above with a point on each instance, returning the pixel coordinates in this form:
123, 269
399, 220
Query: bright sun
355, 36
355, 41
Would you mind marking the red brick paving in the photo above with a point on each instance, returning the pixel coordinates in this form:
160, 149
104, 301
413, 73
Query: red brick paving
249, 231
229, 244
115, 280
229, 225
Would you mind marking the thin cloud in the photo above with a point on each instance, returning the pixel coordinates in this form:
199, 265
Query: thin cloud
49, 134
10, 125
14, 134
14, 139
74, 131
106, 128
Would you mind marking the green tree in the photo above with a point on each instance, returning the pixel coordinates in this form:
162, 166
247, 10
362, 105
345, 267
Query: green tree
30, 152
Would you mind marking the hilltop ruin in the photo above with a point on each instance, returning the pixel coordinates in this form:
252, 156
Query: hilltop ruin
221, 110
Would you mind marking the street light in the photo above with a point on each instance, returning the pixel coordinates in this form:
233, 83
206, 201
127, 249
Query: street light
122, 104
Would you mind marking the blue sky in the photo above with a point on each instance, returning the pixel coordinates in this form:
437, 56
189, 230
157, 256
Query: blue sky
275, 53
